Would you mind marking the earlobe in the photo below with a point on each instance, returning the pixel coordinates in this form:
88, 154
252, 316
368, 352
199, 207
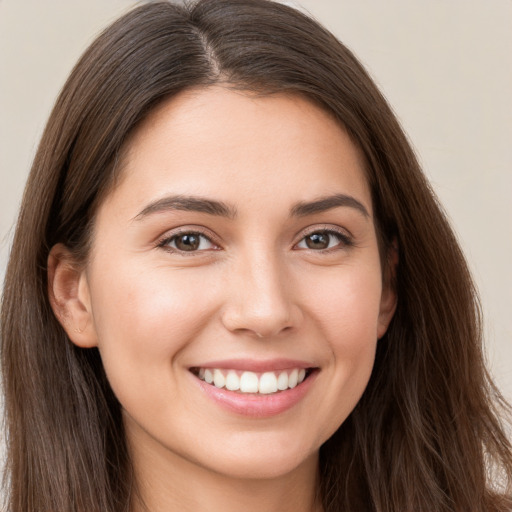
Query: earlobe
68, 291
389, 297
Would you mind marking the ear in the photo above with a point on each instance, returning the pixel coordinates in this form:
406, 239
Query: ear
388, 298
68, 291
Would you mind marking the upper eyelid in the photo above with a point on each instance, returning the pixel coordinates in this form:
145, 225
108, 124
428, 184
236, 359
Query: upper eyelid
344, 236
323, 228
199, 230
166, 238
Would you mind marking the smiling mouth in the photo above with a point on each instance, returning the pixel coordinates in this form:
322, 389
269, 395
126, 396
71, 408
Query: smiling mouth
246, 382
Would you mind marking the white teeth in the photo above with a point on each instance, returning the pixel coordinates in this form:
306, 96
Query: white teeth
218, 379
282, 381
268, 383
232, 381
292, 378
208, 376
251, 382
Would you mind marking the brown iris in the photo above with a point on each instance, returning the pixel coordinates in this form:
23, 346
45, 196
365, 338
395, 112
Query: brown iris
187, 242
318, 241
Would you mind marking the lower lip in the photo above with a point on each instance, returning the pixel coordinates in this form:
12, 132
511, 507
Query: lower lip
258, 405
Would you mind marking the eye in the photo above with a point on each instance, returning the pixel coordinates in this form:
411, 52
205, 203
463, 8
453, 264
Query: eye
188, 242
323, 240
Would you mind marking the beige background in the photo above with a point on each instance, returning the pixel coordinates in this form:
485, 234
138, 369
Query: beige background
445, 66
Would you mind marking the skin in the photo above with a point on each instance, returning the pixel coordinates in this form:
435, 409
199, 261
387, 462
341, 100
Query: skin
253, 289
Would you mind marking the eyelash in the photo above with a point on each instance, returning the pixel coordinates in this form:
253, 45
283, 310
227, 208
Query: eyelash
164, 242
345, 241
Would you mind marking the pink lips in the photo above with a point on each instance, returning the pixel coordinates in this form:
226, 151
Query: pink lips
252, 365
256, 405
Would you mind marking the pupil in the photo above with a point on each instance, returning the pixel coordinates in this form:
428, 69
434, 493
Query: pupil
187, 242
317, 241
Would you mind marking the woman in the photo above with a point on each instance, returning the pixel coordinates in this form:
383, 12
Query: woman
232, 287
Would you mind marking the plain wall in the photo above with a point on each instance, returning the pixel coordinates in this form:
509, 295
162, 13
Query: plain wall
444, 66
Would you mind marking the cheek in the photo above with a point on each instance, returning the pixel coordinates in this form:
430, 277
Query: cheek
144, 319
347, 304
346, 309
160, 301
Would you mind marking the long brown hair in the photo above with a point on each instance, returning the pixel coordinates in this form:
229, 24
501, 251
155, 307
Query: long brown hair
426, 435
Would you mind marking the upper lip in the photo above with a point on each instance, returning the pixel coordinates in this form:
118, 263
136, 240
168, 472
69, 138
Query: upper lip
258, 366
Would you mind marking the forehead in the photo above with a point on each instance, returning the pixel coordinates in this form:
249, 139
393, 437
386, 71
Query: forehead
232, 144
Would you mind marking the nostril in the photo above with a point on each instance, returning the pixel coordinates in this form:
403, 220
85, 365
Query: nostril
260, 319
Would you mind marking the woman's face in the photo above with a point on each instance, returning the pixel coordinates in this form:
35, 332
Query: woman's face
239, 246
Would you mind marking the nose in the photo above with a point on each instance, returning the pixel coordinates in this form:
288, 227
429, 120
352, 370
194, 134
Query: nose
260, 299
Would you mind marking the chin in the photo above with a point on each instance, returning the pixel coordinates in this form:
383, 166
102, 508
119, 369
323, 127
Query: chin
272, 461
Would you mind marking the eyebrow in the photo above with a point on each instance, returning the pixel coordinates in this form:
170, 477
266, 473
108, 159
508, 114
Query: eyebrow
221, 209
326, 203
189, 204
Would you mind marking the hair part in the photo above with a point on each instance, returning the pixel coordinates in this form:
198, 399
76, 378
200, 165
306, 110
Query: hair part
427, 430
